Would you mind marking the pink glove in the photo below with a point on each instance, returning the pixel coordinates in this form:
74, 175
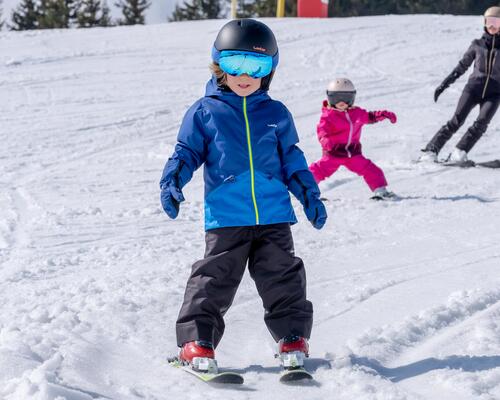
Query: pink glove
377, 116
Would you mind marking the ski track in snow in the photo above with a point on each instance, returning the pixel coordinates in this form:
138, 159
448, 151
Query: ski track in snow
92, 272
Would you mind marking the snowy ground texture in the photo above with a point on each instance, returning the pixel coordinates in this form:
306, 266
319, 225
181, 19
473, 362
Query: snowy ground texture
406, 294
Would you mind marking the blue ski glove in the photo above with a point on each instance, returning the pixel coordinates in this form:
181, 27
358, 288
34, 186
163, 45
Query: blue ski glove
304, 187
171, 182
316, 213
171, 196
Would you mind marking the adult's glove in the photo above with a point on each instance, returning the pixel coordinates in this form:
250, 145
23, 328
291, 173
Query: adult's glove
171, 195
450, 79
303, 186
377, 116
440, 89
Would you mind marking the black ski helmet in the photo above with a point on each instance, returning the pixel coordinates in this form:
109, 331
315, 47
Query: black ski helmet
247, 35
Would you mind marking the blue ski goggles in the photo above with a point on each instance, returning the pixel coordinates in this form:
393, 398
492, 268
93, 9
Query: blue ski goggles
238, 63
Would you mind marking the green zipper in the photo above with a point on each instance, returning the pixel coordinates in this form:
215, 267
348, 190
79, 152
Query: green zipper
252, 175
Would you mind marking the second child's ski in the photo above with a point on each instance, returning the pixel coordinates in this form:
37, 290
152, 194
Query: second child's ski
389, 196
224, 377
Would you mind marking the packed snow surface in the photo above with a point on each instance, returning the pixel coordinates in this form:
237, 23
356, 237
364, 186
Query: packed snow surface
406, 294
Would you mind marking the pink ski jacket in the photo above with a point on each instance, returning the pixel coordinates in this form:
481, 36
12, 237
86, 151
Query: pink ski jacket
339, 132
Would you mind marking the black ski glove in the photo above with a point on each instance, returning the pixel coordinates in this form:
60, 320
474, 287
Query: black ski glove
450, 79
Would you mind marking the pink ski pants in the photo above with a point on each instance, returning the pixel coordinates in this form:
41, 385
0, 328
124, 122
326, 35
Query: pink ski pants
327, 165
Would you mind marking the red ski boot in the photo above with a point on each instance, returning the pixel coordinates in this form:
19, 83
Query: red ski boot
292, 350
199, 355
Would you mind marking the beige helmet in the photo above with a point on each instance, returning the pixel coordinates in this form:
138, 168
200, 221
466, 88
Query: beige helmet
492, 12
341, 85
341, 89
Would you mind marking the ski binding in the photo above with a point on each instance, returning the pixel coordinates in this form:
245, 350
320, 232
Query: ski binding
207, 371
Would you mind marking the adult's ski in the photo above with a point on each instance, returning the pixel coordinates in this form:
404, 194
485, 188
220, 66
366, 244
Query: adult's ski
471, 164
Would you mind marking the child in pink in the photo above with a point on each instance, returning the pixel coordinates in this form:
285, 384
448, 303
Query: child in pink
339, 132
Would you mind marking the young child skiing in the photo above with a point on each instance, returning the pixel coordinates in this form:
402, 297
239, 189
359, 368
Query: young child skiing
482, 88
339, 132
248, 145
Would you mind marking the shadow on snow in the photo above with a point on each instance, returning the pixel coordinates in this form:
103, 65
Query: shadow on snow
464, 363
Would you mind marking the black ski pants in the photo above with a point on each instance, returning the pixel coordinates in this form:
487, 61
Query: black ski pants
279, 276
487, 109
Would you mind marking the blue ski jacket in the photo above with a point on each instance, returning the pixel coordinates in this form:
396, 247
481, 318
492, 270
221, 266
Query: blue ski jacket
248, 146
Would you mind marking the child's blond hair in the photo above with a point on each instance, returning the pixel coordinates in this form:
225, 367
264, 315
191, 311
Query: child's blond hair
219, 74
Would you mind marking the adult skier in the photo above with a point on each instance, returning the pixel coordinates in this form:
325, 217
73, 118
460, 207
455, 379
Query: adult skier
248, 145
482, 88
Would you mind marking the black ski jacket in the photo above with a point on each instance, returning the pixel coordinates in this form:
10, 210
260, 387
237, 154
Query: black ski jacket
485, 79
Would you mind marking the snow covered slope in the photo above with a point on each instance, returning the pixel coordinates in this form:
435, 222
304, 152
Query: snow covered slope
406, 294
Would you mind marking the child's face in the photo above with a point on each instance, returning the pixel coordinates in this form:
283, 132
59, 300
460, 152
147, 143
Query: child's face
243, 85
341, 105
492, 30
492, 25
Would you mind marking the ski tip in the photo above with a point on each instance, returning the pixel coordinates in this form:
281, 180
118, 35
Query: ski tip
227, 378
296, 376
489, 164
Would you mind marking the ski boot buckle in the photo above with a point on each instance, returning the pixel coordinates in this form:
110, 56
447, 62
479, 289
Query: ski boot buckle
294, 359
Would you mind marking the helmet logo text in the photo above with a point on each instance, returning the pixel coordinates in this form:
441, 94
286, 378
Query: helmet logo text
259, 48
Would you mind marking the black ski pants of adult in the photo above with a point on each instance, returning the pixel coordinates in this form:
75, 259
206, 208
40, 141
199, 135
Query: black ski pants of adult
469, 99
279, 276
